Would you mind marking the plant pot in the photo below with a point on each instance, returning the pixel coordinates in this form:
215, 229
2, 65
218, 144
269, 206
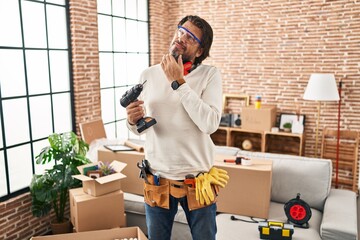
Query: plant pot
60, 228
287, 129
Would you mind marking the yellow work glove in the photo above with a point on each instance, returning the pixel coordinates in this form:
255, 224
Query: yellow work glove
204, 193
218, 176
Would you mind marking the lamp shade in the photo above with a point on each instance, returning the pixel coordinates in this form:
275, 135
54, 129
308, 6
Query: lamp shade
321, 87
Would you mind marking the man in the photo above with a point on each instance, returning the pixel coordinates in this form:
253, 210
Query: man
185, 98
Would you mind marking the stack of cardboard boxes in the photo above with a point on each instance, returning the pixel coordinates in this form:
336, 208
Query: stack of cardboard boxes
97, 209
99, 204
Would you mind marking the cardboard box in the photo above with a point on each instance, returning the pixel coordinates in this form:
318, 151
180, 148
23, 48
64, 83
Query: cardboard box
110, 234
102, 185
132, 183
90, 213
262, 119
248, 190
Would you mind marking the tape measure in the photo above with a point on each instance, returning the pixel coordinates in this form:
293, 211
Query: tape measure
275, 230
298, 212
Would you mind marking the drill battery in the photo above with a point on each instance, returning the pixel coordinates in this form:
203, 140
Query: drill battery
275, 230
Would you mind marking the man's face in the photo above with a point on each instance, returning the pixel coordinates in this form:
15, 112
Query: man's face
185, 43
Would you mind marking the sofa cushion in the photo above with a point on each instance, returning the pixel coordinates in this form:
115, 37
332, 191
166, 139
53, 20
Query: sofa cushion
224, 150
311, 177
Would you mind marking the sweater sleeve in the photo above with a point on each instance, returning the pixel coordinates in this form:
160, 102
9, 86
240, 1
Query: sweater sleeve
204, 110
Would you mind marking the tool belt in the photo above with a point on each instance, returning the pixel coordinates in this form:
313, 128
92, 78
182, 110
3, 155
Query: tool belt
159, 195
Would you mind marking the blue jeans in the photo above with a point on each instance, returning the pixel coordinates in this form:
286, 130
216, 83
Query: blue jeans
202, 222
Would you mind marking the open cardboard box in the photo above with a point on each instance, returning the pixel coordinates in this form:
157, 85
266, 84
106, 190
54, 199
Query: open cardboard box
110, 234
132, 183
102, 185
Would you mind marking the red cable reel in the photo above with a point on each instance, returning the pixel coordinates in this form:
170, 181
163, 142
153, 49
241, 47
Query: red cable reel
298, 212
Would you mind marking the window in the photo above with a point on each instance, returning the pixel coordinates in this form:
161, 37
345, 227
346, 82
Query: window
35, 92
123, 55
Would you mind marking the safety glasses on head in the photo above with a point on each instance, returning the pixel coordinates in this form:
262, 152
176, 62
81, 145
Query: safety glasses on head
189, 36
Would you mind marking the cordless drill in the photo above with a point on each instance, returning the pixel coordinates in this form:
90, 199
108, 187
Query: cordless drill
131, 96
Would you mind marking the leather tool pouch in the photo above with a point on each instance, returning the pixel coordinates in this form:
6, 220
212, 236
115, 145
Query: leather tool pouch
157, 196
194, 204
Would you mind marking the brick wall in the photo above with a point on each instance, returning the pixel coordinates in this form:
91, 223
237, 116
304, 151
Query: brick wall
17, 221
267, 47
272, 47
85, 60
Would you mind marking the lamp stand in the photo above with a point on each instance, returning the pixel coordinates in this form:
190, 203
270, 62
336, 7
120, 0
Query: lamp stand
338, 139
317, 129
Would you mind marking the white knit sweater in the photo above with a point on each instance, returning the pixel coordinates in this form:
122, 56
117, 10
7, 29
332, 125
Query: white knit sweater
180, 142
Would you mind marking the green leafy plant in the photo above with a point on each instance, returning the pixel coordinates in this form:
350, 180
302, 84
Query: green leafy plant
287, 125
51, 189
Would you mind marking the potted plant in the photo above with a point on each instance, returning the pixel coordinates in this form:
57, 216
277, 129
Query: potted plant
50, 190
287, 127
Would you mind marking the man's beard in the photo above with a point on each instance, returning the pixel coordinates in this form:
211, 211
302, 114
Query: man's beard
175, 53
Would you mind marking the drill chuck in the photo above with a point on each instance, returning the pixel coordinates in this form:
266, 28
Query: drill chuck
131, 95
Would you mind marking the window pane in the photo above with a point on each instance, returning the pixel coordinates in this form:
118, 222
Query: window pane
143, 39
119, 34
62, 112
115, 67
10, 29
56, 22
61, 2
131, 11
37, 71
120, 69
110, 130
16, 122
107, 105
20, 167
118, 8
34, 24
136, 64
38, 146
105, 36
122, 131
59, 68
1, 133
3, 188
131, 36
12, 78
40, 112
106, 70
142, 10
104, 6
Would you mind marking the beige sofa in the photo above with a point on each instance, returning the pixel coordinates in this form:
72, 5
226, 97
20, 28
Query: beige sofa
333, 210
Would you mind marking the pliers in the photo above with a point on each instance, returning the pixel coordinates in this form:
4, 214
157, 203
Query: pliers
144, 169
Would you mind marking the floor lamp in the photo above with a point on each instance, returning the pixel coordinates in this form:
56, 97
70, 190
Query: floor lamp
321, 87
338, 139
